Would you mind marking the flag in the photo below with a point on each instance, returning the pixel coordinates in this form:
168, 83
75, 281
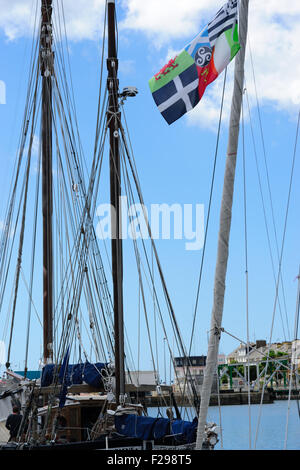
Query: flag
179, 85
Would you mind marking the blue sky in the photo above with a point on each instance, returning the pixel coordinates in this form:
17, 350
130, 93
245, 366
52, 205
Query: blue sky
175, 162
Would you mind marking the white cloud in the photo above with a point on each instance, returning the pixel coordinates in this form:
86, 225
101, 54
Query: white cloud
34, 148
166, 20
273, 31
10, 234
16, 17
207, 112
127, 67
35, 145
83, 18
274, 28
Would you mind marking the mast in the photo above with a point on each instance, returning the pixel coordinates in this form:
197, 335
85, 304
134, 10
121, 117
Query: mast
113, 119
225, 223
46, 63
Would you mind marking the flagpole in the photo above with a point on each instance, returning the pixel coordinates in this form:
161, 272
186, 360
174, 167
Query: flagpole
224, 228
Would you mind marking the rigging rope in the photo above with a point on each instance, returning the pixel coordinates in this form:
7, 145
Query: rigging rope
21, 238
294, 360
64, 114
209, 210
263, 205
246, 267
280, 260
268, 182
166, 295
208, 219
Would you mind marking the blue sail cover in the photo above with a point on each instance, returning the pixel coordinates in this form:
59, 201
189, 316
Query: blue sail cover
74, 374
63, 378
147, 428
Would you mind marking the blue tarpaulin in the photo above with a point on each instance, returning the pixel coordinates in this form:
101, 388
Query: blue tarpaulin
187, 428
147, 428
63, 378
142, 427
47, 375
74, 374
30, 374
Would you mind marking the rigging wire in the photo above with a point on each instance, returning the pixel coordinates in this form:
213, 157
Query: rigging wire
73, 153
208, 211
263, 204
21, 237
138, 262
246, 266
207, 222
262, 354
32, 262
296, 335
268, 182
68, 132
154, 313
280, 262
77, 246
294, 362
9, 232
129, 193
180, 345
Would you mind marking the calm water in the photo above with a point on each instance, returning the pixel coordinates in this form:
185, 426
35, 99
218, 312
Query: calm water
271, 432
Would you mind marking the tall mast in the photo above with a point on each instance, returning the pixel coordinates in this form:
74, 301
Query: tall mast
46, 63
113, 118
225, 223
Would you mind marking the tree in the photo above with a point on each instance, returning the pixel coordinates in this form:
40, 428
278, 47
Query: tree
271, 365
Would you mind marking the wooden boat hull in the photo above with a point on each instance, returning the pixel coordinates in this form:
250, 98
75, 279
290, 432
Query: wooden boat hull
111, 444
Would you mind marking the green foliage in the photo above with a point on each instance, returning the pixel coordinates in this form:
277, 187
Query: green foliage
271, 365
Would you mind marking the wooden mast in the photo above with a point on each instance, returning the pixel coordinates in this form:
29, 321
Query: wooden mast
46, 63
113, 118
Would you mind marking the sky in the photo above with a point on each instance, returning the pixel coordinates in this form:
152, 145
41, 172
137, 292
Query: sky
175, 163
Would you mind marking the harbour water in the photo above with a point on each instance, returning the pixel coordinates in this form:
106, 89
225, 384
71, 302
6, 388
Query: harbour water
270, 434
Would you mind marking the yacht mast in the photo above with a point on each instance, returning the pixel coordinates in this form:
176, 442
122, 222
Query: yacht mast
46, 65
113, 119
225, 223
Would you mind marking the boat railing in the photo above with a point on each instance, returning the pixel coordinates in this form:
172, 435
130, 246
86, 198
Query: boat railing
67, 429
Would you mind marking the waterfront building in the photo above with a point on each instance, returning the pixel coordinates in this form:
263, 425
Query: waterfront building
258, 350
239, 355
196, 365
296, 353
276, 370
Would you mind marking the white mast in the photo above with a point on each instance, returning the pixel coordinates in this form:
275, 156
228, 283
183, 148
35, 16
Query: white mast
225, 223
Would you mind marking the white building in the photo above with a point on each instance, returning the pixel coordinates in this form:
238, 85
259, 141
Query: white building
296, 353
141, 377
192, 368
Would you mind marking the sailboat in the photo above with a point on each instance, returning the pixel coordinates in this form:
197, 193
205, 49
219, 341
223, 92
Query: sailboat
56, 413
